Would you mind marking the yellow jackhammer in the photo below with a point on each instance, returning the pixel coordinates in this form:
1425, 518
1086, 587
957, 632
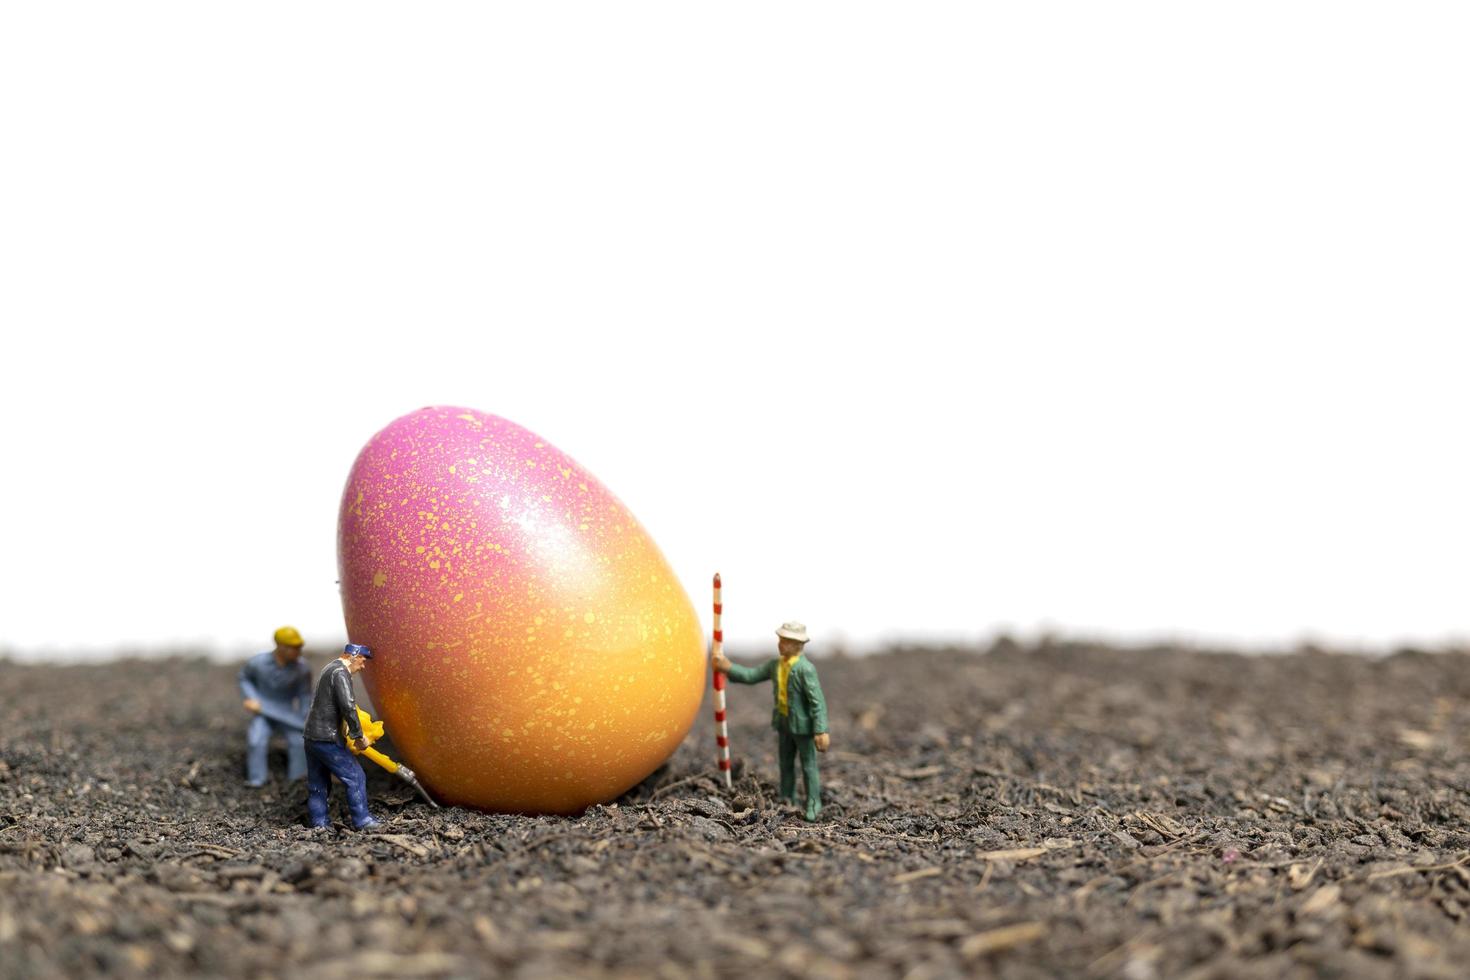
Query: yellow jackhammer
372, 731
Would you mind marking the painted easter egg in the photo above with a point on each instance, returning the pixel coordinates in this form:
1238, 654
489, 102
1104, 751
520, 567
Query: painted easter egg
533, 651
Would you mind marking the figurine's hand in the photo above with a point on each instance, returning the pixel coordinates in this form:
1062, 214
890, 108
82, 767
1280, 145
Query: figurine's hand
360, 744
822, 741
722, 663
252, 706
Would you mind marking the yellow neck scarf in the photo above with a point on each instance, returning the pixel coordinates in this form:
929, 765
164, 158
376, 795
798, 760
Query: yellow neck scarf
783, 671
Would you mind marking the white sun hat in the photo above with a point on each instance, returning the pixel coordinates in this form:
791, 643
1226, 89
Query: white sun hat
793, 631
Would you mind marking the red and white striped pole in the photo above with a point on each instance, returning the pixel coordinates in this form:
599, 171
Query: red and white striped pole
722, 731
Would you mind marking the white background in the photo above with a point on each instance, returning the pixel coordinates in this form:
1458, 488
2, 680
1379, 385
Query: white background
915, 320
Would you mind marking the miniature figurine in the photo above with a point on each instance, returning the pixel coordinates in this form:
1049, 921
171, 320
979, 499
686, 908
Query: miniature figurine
333, 712
800, 713
276, 688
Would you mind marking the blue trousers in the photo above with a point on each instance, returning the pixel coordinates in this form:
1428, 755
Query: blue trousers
323, 761
257, 742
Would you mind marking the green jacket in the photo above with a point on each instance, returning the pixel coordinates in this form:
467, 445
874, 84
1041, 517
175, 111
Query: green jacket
808, 709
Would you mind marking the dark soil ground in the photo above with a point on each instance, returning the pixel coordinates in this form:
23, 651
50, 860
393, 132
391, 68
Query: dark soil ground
1026, 812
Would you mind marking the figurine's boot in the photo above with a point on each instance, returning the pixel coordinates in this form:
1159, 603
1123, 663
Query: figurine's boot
786, 758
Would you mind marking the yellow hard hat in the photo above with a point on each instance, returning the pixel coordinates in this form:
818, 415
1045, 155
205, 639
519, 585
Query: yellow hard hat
287, 636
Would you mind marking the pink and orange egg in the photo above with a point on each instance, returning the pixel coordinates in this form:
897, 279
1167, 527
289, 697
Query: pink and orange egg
533, 650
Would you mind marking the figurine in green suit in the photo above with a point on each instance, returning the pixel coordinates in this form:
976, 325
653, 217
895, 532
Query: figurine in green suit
800, 713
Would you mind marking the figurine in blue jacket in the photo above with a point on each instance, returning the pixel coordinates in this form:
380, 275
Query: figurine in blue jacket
276, 687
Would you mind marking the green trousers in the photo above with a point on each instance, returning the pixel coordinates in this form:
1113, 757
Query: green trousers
788, 748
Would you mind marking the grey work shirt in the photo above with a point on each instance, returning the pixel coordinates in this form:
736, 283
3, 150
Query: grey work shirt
333, 706
286, 689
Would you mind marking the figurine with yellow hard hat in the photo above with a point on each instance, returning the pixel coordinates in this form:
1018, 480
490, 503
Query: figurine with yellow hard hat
276, 688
